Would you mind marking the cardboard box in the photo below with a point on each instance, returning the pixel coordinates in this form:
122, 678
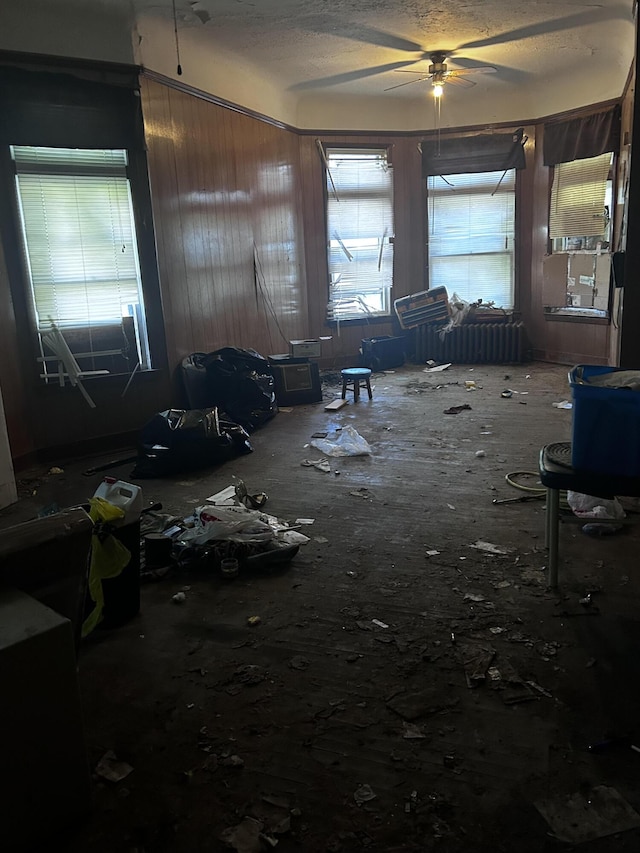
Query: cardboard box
305, 349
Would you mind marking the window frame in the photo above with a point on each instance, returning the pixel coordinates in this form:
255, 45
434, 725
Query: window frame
364, 320
514, 308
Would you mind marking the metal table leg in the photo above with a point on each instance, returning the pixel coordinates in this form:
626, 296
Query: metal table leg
552, 534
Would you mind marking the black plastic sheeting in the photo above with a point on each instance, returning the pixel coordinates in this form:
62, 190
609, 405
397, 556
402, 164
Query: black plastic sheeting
237, 381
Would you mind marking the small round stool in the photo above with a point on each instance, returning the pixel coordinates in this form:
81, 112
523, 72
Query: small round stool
356, 375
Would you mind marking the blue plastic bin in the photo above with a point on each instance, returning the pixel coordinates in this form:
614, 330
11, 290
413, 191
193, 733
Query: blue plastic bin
606, 425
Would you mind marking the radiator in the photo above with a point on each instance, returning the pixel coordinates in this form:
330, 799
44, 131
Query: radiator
473, 343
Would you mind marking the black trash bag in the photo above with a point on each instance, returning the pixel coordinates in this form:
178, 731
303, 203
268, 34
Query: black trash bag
186, 439
195, 381
241, 384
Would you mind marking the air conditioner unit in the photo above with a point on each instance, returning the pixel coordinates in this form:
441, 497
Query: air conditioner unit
297, 381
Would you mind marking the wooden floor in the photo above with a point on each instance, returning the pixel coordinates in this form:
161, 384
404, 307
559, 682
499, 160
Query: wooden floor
318, 699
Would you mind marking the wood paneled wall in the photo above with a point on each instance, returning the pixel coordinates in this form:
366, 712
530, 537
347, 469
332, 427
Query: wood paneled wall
226, 199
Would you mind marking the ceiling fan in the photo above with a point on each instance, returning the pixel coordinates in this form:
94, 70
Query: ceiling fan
439, 74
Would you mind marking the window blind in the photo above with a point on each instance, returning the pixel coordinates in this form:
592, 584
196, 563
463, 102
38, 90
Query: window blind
360, 232
79, 235
578, 197
471, 235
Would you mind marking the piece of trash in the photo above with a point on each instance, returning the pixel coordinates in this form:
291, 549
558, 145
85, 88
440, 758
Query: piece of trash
225, 497
497, 630
451, 506
379, 623
348, 443
470, 384
563, 404
299, 662
480, 454
432, 553
586, 601
362, 492
437, 368
286, 409
245, 837
179, 598
507, 393
413, 732
351, 574
335, 405
364, 794
320, 435
454, 410
56, 470
474, 596
254, 620
487, 547
582, 817
321, 464
111, 769
476, 658
305, 521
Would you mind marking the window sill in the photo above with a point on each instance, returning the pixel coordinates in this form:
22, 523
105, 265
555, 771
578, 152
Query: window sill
573, 315
104, 378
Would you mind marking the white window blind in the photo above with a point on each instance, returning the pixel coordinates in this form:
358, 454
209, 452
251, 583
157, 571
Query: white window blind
360, 233
471, 235
578, 197
79, 239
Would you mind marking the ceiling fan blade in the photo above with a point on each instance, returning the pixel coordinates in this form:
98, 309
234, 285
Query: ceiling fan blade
578, 19
348, 76
454, 80
408, 83
481, 69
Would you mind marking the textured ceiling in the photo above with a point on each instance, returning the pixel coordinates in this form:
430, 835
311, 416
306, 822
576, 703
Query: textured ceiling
324, 63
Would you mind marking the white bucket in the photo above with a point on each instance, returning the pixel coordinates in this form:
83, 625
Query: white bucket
125, 495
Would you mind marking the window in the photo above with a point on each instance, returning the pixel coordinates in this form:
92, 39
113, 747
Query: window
360, 233
81, 254
471, 235
581, 195
577, 274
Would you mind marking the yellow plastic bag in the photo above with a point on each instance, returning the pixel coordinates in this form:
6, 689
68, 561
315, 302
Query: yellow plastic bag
108, 558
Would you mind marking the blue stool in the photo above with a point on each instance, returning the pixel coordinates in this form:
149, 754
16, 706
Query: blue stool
356, 375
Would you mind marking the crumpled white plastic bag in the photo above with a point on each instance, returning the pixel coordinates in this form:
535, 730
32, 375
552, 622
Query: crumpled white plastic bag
349, 443
233, 523
588, 506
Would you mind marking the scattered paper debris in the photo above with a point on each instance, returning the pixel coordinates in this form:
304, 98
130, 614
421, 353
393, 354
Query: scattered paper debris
321, 464
379, 623
432, 553
563, 404
254, 620
364, 794
488, 547
111, 769
179, 598
305, 521
437, 368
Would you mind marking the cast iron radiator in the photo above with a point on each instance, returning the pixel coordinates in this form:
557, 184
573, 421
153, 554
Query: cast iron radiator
472, 343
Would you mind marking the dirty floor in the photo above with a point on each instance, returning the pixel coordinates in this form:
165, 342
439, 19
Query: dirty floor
403, 690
